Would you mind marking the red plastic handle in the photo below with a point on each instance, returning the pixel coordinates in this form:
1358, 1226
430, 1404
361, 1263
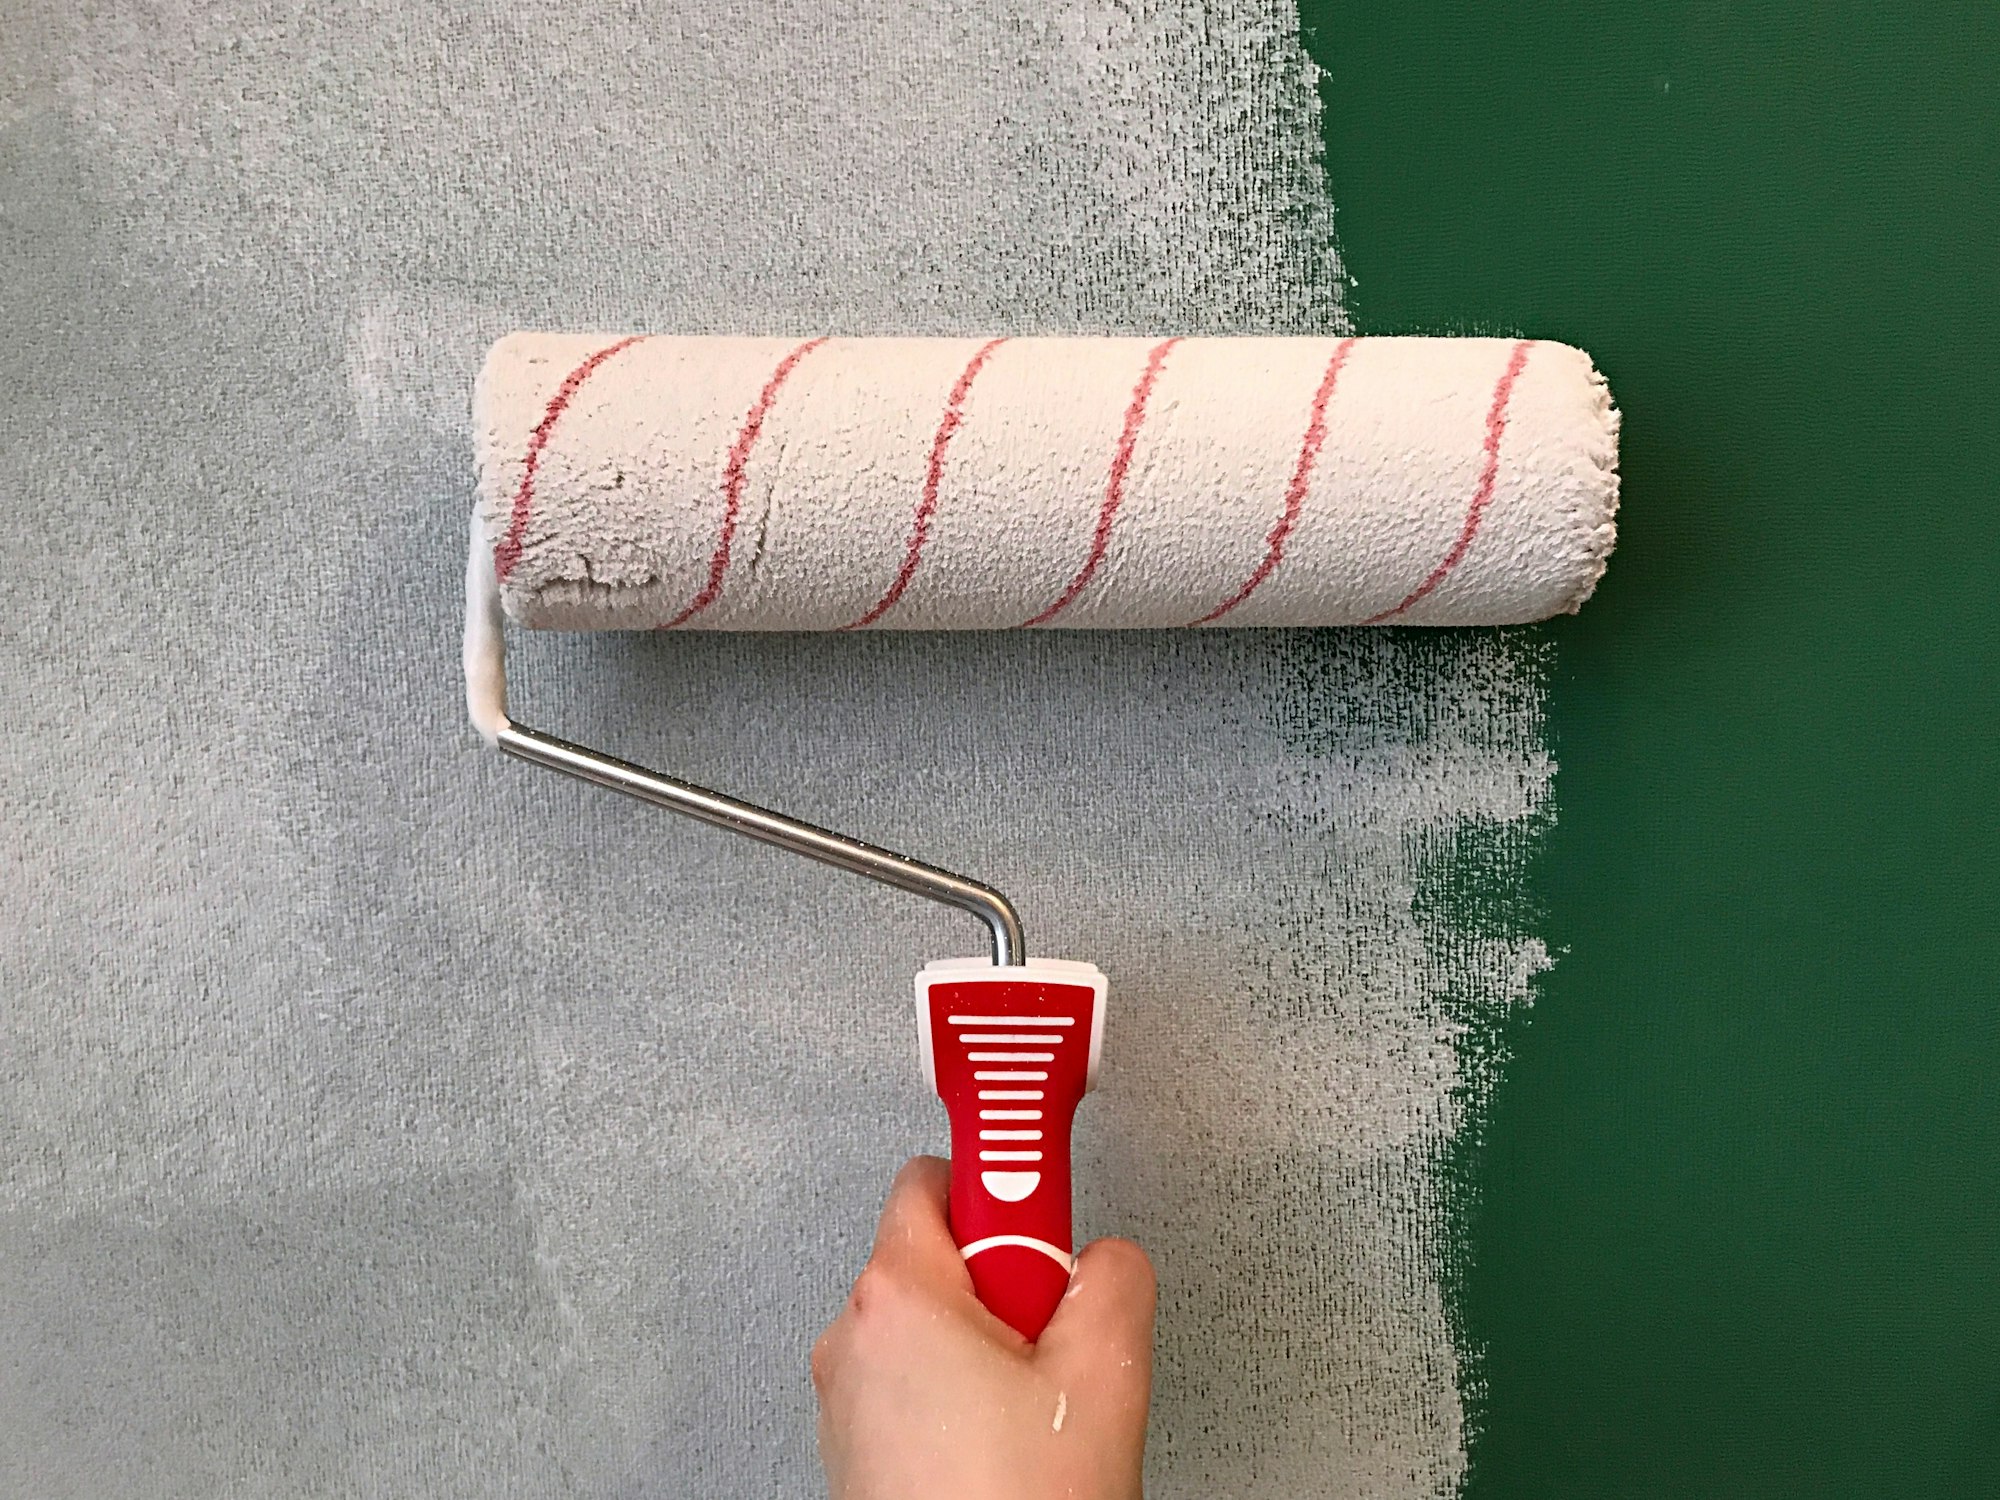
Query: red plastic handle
1011, 1053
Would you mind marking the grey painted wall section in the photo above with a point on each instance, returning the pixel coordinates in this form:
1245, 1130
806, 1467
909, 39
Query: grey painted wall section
380, 1118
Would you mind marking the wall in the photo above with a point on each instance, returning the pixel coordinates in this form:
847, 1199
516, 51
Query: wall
1735, 1229
384, 1118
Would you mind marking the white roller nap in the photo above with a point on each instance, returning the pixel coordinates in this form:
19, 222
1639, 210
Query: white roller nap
808, 483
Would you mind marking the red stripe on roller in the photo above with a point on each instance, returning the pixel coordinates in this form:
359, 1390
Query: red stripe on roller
1114, 486
1295, 492
1482, 494
920, 528
507, 554
733, 480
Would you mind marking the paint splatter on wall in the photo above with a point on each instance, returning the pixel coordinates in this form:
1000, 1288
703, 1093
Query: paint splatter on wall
380, 1116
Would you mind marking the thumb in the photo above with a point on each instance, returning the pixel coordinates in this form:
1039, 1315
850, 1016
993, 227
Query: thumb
1105, 1320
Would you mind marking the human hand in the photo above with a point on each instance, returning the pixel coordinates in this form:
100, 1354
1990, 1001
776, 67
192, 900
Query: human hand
925, 1395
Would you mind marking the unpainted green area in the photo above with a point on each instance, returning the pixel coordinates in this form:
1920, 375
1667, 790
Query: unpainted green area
1733, 1220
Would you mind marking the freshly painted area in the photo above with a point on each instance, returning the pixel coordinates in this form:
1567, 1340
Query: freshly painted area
523, 1138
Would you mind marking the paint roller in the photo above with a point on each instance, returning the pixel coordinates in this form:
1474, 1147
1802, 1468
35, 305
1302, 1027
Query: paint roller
675, 483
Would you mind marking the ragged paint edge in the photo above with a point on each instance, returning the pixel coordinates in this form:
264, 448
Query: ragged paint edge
1474, 908
1477, 888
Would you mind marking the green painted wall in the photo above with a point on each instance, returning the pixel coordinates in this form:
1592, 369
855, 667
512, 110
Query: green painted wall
1735, 1227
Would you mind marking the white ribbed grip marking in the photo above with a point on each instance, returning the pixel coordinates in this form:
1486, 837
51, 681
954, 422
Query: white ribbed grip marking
993, 1241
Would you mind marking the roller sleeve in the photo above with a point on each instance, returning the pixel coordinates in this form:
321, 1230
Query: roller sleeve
818, 483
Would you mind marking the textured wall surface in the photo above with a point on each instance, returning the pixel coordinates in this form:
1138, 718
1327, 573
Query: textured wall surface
380, 1118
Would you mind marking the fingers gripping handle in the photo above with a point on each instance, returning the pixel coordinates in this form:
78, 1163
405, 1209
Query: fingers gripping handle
1011, 1052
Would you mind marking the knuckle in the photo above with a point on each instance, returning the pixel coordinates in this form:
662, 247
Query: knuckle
881, 1308
876, 1287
